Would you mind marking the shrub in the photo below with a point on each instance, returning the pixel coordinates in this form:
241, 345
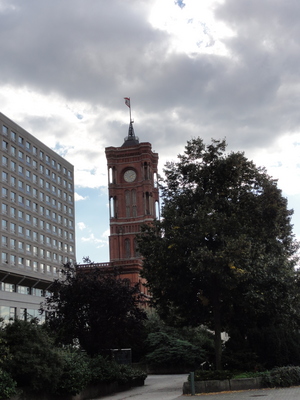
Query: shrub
33, 362
8, 387
282, 377
167, 350
75, 374
213, 375
103, 370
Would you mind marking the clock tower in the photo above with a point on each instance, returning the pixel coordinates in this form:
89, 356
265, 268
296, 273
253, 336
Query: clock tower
133, 201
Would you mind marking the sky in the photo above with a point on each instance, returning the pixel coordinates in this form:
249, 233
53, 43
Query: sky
210, 68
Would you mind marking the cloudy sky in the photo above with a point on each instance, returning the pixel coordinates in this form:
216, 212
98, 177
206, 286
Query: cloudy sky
210, 68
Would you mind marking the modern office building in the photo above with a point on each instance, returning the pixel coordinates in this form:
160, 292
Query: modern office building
37, 220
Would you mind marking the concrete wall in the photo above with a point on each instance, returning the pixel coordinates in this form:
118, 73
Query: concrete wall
223, 386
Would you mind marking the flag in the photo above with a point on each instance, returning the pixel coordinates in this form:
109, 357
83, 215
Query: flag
127, 101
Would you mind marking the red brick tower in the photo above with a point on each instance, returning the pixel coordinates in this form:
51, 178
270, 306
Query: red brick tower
133, 201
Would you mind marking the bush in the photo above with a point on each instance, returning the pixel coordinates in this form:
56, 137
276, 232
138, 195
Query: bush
167, 350
213, 375
109, 371
282, 377
75, 374
8, 387
33, 362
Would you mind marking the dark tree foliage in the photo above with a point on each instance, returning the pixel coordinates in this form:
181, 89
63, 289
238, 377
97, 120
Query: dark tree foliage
101, 312
223, 253
33, 361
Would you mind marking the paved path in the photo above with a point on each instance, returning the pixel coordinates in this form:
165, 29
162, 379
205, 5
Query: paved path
169, 387
157, 387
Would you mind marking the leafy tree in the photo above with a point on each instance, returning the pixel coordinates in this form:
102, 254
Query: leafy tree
223, 253
100, 311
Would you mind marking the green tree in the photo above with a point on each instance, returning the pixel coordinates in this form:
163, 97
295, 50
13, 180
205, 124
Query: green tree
100, 311
223, 253
33, 362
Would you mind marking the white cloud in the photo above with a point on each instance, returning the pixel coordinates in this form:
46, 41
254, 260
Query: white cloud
78, 197
81, 226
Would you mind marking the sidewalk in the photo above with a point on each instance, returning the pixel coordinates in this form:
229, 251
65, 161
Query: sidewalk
292, 393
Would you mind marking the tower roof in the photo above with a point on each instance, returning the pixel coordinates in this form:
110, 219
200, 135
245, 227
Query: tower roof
130, 140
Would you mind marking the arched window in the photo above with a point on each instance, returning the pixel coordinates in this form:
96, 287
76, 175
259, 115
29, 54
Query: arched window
127, 203
113, 207
133, 201
127, 248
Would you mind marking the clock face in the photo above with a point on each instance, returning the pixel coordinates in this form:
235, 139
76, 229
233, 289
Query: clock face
130, 175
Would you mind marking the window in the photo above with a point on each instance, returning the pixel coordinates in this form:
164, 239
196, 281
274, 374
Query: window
34, 164
4, 241
20, 185
28, 234
47, 171
4, 145
4, 208
13, 136
35, 236
4, 224
34, 178
13, 243
4, 192
53, 163
21, 170
28, 203
127, 248
41, 155
13, 212
13, 227
42, 196
41, 182
35, 206
28, 188
20, 140
13, 196
28, 160
5, 161
35, 251
21, 155
35, 265
21, 200
21, 260
4, 257
13, 181
47, 159
13, 166
13, 151
28, 174
4, 176
21, 246
4, 130
34, 150
28, 146
21, 230
28, 218
20, 214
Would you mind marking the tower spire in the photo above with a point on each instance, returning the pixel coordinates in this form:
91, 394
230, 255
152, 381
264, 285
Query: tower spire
130, 139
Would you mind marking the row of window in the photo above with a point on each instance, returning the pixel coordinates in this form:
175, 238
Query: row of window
35, 236
32, 177
11, 287
32, 249
33, 265
32, 149
27, 314
26, 218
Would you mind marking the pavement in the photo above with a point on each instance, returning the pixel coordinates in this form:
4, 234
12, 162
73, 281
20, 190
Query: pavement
169, 387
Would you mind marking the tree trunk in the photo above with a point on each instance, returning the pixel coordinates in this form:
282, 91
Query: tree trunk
218, 329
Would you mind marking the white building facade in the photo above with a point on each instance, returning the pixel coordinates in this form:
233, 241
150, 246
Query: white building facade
37, 220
